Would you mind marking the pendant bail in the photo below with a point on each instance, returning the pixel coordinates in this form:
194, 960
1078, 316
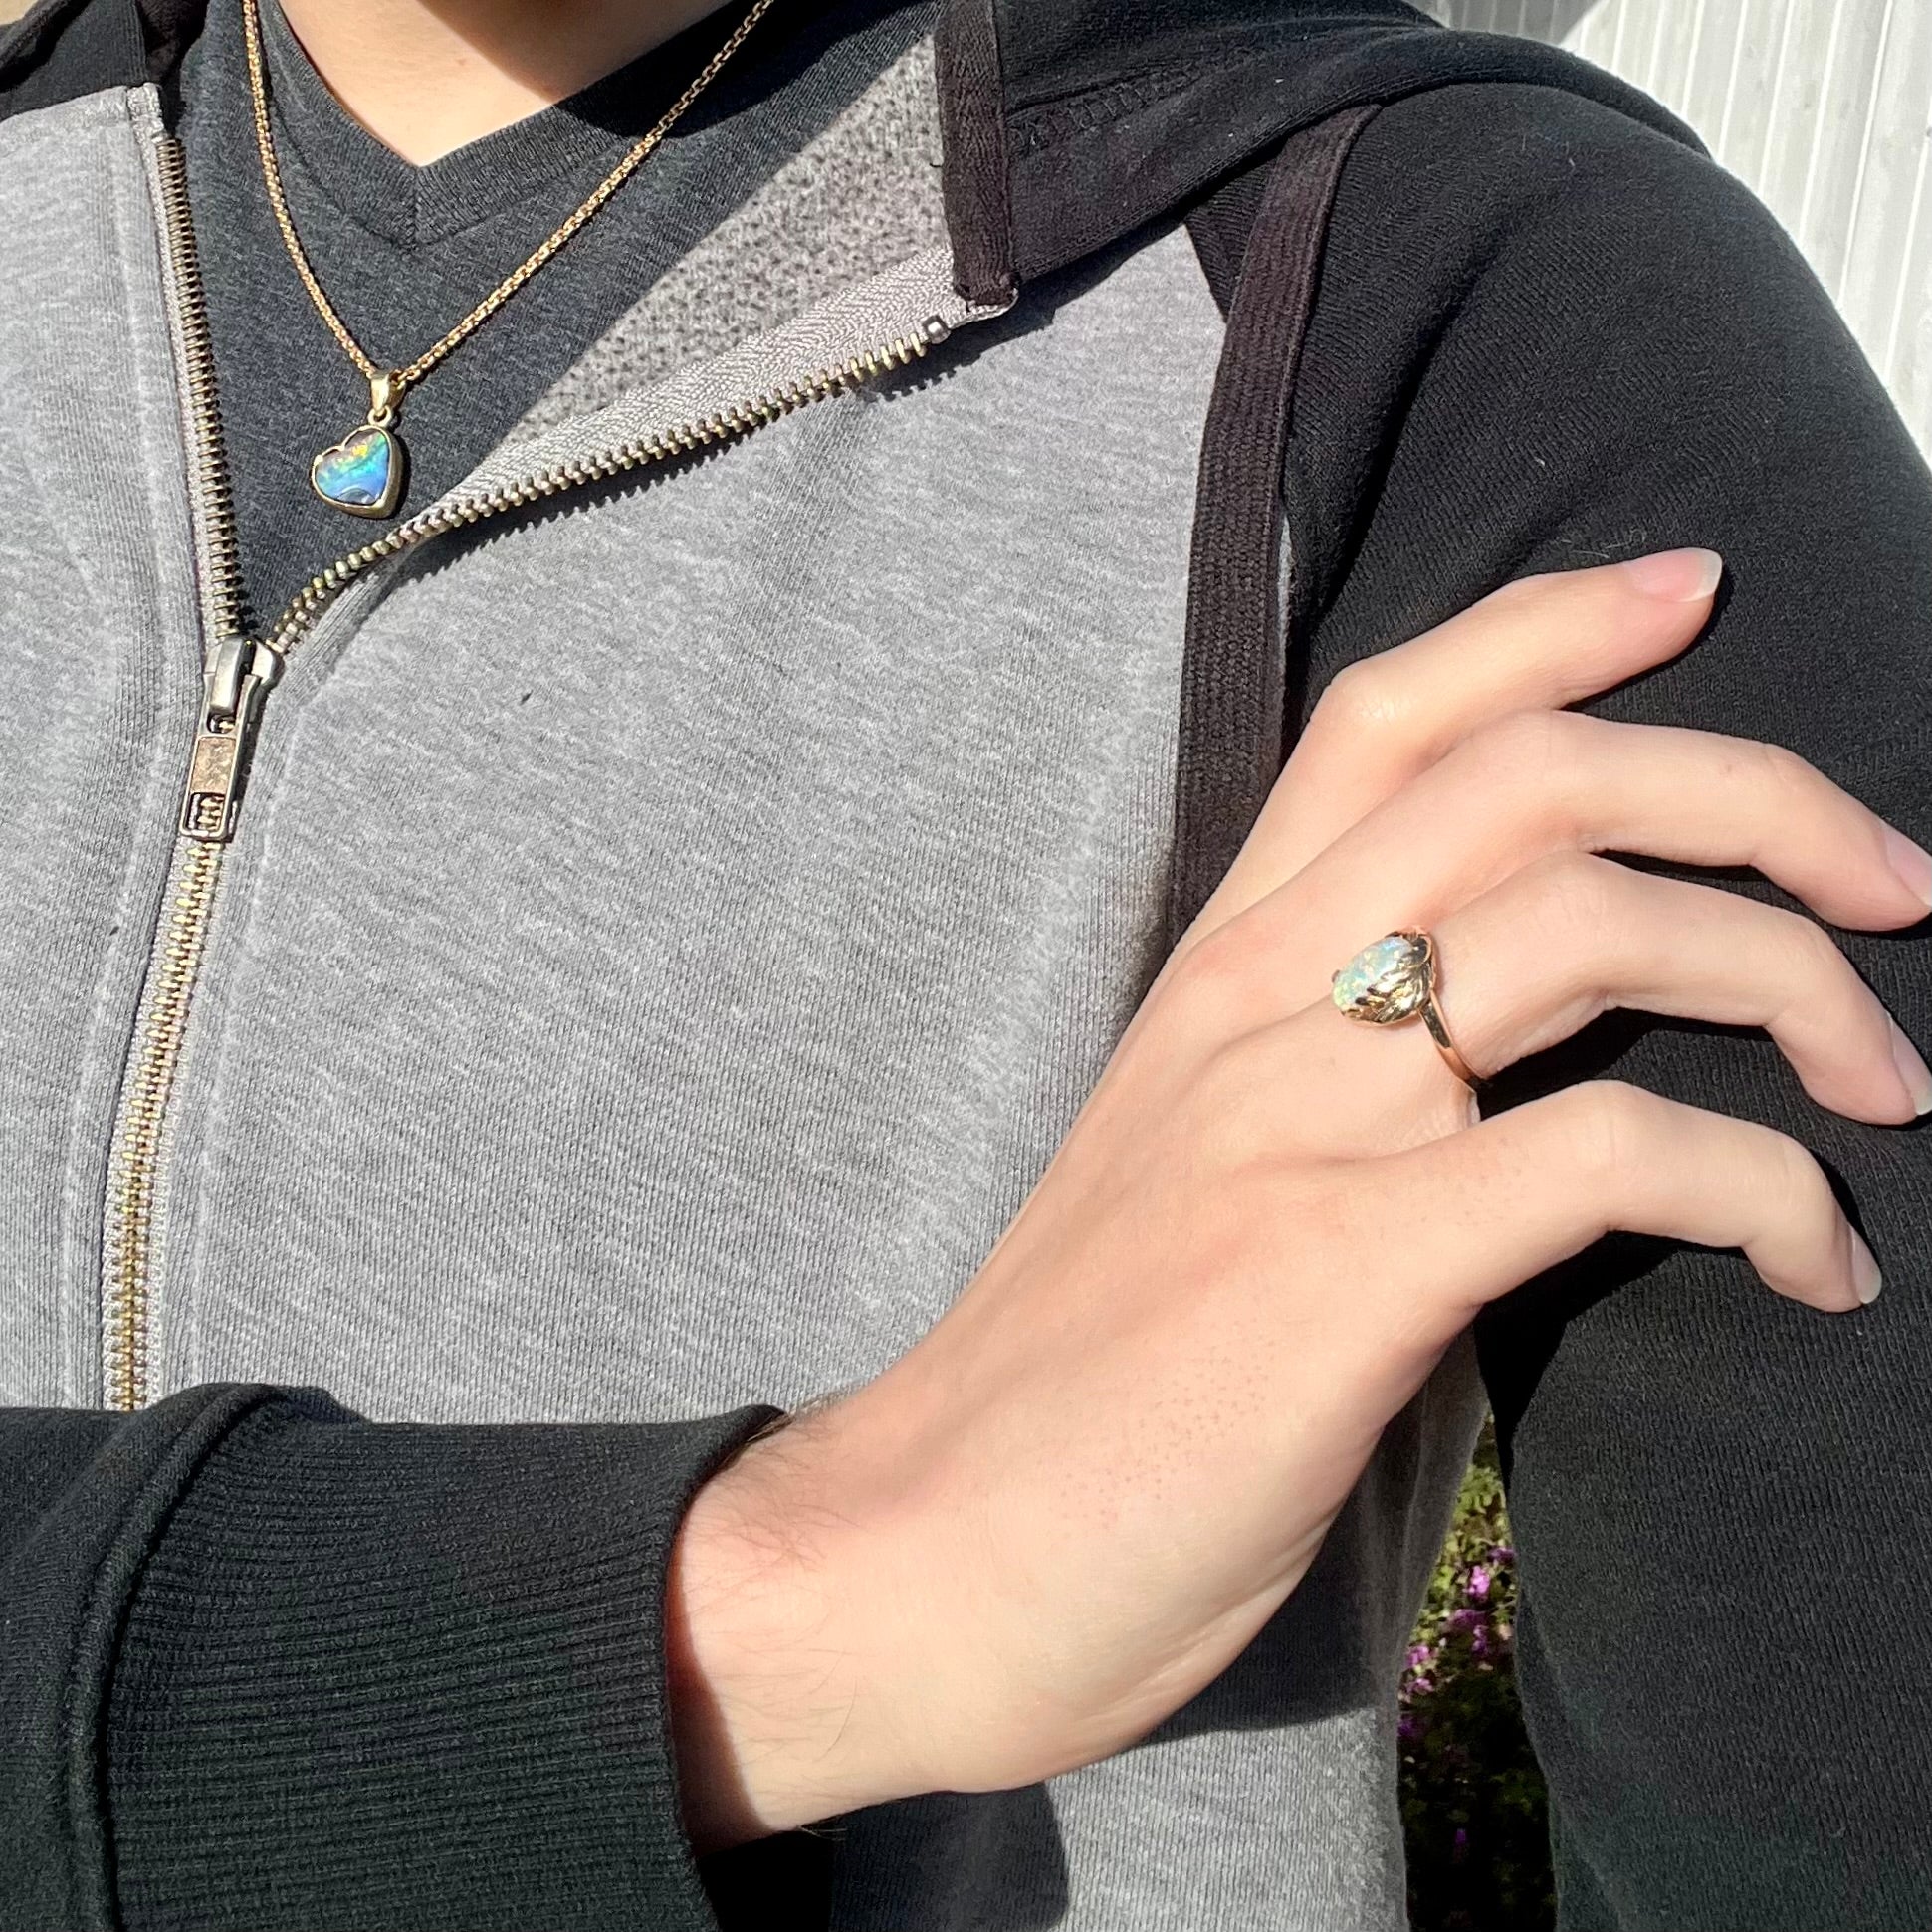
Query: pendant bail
386, 398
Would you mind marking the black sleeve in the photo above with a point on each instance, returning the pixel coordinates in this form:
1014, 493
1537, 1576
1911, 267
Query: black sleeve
1548, 338
266, 1666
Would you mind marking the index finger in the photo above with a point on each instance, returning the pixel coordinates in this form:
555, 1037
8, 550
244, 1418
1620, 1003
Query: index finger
1540, 643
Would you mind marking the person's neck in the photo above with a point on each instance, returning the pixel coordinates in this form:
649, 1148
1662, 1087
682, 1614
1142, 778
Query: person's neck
426, 77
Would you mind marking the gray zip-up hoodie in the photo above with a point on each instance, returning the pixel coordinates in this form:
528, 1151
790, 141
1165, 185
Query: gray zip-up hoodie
620, 948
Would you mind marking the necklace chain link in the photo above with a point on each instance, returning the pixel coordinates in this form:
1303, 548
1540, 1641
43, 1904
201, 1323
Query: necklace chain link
388, 385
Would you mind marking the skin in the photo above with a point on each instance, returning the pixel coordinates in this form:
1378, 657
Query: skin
1081, 1495
427, 77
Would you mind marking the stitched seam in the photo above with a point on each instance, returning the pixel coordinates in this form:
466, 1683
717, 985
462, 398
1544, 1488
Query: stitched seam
1056, 121
1062, 117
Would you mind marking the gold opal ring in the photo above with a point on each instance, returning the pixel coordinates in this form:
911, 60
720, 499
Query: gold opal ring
1395, 980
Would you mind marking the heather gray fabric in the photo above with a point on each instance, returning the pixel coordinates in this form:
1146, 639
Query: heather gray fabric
669, 932
404, 251
103, 651
862, 196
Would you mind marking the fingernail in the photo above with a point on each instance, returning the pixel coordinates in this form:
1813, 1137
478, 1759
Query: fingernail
1913, 1070
1866, 1278
1677, 577
1913, 863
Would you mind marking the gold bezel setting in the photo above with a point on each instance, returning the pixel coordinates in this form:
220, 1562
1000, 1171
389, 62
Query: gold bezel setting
382, 441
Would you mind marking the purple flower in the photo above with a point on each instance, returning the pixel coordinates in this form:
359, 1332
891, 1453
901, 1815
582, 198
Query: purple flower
1463, 1622
1480, 1582
1421, 1656
1408, 1726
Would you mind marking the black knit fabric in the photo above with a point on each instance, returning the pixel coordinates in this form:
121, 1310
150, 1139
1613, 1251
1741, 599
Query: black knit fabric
84, 1497
1232, 683
286, 1668
1548, 338
976, 163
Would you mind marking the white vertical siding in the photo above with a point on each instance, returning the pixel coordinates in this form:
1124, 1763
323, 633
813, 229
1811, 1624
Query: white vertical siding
1825, 107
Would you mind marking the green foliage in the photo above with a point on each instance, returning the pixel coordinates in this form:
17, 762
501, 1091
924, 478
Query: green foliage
1473, 1804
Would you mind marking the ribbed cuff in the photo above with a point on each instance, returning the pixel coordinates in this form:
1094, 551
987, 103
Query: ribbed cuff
398, 1676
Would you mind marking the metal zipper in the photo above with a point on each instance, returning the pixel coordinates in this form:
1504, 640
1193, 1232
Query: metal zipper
135, 1157
241, 673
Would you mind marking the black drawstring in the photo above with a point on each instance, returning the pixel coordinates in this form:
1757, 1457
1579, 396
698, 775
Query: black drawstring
1234, 684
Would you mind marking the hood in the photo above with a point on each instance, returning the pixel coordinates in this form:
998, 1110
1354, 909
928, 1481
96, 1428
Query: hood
1070, 123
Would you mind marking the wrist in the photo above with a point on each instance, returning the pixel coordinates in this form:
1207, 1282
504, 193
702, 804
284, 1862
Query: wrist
778, 1717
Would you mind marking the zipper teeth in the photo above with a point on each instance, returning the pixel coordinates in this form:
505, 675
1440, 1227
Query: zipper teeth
144, 1114
141, 1128
222, 589
128, 1239
728, 426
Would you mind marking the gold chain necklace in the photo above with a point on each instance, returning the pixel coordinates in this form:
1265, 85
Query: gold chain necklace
363, 473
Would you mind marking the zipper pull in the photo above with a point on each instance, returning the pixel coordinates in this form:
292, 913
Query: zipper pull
239, 677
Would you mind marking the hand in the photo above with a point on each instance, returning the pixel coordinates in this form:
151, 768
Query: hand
1075, 1502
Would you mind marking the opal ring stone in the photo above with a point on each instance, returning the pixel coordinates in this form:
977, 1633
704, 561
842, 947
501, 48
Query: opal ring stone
1395, 980
362, 474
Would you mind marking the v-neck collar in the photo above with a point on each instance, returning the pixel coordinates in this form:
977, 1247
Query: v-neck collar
380, 191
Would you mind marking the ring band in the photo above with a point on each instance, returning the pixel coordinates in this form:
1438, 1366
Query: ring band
1395, 980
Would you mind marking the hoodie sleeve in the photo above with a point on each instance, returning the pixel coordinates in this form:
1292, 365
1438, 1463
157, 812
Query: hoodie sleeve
1548, 337
269, 1665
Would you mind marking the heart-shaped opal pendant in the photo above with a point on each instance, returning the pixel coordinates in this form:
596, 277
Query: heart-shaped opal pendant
362, 474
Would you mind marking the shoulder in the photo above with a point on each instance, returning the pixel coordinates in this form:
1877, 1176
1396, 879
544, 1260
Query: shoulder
1500, 175
1532, 228
1543, 329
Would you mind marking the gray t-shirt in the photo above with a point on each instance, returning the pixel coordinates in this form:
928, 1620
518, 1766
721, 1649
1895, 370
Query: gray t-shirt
404, 251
